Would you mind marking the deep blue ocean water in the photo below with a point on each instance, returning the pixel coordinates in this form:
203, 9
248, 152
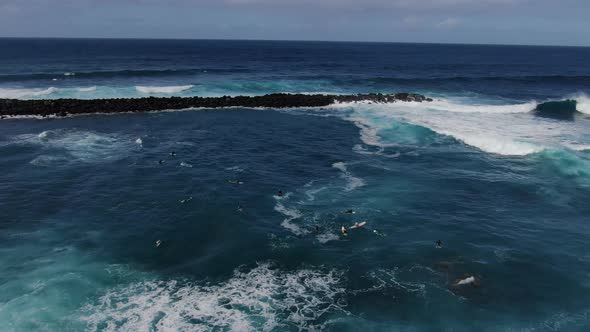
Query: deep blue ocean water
84, 199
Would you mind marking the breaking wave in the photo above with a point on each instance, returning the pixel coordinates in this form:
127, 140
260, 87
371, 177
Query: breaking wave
25, 93
88, 89
163, 89
498, 129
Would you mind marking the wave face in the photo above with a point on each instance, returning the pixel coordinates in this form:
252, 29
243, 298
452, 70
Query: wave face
564, 109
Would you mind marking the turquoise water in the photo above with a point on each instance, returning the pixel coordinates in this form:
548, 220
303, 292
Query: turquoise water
84, 199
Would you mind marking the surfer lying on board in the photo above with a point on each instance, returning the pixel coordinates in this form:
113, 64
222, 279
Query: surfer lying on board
351, 211
235, 182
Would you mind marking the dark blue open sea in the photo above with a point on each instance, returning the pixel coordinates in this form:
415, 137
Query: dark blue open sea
84, 199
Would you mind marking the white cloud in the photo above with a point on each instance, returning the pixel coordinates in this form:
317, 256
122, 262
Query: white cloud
449, 23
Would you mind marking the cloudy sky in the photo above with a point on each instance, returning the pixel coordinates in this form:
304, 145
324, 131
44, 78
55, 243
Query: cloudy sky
548, 22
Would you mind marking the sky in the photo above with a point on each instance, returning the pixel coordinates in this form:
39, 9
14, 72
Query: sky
536, 22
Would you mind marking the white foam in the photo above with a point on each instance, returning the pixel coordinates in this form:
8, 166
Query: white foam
262, 299
69, 74
581, 147
163, 89
139, 141
450, 106
25, 93
87, 89
290, 214
327, 237
498, 129
310, 194
369, 132
389, 278
352, 182
73, 145
236, 169
493, 143
183, 164
47, 160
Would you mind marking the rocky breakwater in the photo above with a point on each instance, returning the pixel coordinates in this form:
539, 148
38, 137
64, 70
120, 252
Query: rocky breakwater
65, 107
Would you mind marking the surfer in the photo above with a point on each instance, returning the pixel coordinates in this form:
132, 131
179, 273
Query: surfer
240, 208
439, 244
173, 154
344, 231
161, 162
235, 182
280, 193
350, 211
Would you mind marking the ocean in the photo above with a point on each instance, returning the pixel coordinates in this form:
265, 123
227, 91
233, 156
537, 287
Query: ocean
172, 221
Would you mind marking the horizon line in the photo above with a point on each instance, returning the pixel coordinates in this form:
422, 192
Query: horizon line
299, 40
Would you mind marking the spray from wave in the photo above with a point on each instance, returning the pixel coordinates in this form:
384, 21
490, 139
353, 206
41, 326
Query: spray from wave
583, 103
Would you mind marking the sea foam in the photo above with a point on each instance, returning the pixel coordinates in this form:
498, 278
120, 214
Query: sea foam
352, 182
498, 129
26, 93
163, 89
261, 299
290, 214
73, 145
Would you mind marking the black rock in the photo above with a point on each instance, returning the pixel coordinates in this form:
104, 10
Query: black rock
64, 107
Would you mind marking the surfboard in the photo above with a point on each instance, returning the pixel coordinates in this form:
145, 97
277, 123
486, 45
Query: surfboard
359, 225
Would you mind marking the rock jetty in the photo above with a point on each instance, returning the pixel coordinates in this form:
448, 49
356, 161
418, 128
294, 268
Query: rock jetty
65, 107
